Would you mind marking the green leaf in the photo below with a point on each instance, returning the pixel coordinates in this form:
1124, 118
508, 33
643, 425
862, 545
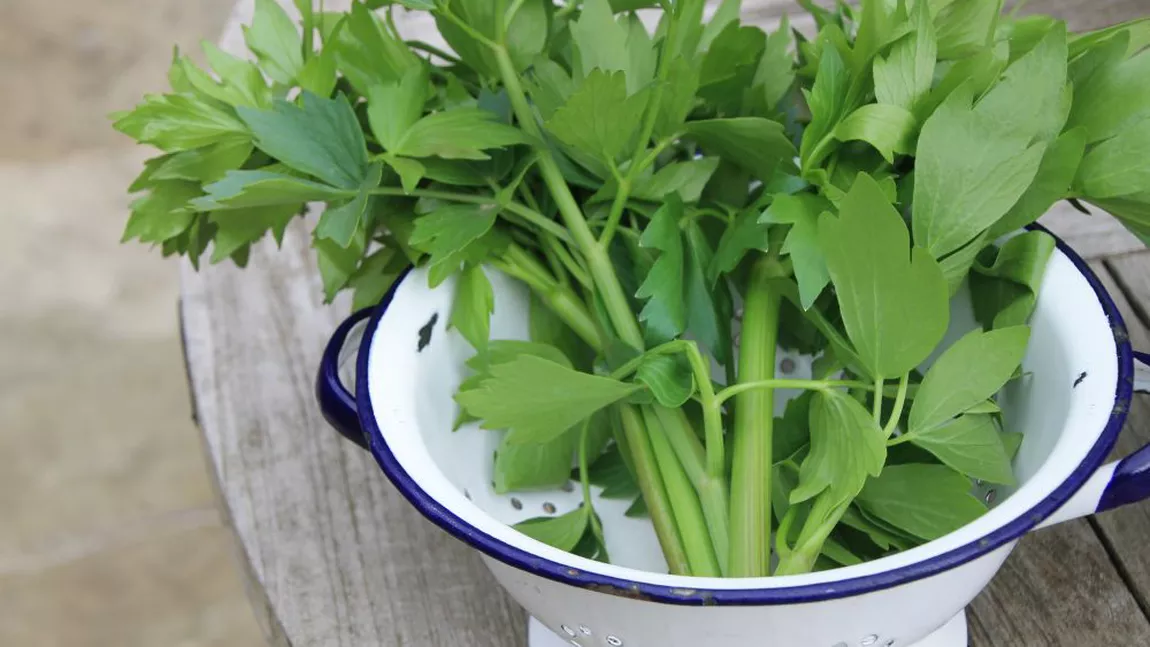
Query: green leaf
638, 510
802, 211
236, 229
956, 265
1111, 99
927, 501
894, 299
410, 171
207, 164
600, 40
1137, 30
534, 466
244, 189
1117, 166
458, 133
1012, 442
792, 430
240, 82
669, 378
1004, 285
275, 40
339, 223
686, 179
337, 264
972, 370
754, 144
968, 173
562, 532
163, 213
393, 108
321, 137
375, 276
827, 102
847, 446
368, 53
729, 66
970, 444
889, 128
599, 119
708, 306
979, 72
611, 473
318, 75
551, 86
1052, 183
905, 76
665, 313
1030, 97
446, 233
643, 57
966, 27
741, 236
174, 122
546, 327
776, 73
472, 307
538, 400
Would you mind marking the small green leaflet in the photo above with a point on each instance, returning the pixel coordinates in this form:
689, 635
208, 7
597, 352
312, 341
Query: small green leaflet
1051, 184
827, 101
176, 122
1031, 97
968, 173
757, 145
340, 222
792, 430
337, 263
888, 128
665, 312
1005, 282
599, 119
1117, 166
709, 308
368, 52
611, 473
446, 233
393, 108
905, 76
687, 179
972, 370
472, 307
1137, 30
237, 229
163, 213
276, 42
1112, 98
562, 532
956, 265
927, 501
970, 444
776, 73
744, 234
847, 446
802, 211
600, 40
965, 28
894, 299
882, 537
240, 82
458, 133
669, 378
678, 97
979, 71
241, 189
375, 276
537, 400
521, 467
207, 164
729, 67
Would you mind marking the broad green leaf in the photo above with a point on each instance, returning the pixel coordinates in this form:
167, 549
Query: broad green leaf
686, 179
927, 501
340, 222
600, 40
318, 75
802, 244
394, 108
1112, 98
905, 76
741, 236
446, 233
368, 52
375, 276
888, 128
894, 299
275, 40
546, 327
599, 119
708, 307
972, 370
243, 189
337, 263
459, 133
970, 444
979, 72
883, 537
1029, 98
1132, 211
1052, 183
1137, 30
237, 229
956, 265
642, 55
669, 378
410, 171
1117, 166
163, 213
776, 73
1012, 442
501, 351
665, 313
879, 24
243, 77
827, 101
678, 97
727, 13
968, 173
792, 430
174, 122
534, 466
755, 144
562, 532
847, 446
1004, 285
729, 66
472, 307
321, 137
207, 164
537, 400
550, 86
966, 27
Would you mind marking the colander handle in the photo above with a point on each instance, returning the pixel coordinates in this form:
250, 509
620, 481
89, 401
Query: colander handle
336, 400
1115, 484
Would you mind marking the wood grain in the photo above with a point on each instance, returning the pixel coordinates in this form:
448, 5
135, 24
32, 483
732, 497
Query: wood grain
336, 557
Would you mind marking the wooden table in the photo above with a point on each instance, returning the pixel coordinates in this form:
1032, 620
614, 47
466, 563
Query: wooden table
336, 557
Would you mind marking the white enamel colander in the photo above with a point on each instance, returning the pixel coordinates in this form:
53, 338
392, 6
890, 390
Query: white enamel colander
1070, 408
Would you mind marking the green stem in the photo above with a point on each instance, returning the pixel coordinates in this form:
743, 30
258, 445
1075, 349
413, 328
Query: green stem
684, 501
433, 50
520, 264
753, 428
876, 406
654, 491
784, 383
617, 207
899, 403
820, 523
568, 261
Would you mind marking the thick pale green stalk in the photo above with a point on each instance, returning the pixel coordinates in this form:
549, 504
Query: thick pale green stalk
819, 525
516, 262
684, 501
750, 554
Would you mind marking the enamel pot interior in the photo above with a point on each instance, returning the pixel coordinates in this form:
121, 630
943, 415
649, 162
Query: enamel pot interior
411, 365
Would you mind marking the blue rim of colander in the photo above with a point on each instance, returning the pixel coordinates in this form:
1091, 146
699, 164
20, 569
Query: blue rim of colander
566, 574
